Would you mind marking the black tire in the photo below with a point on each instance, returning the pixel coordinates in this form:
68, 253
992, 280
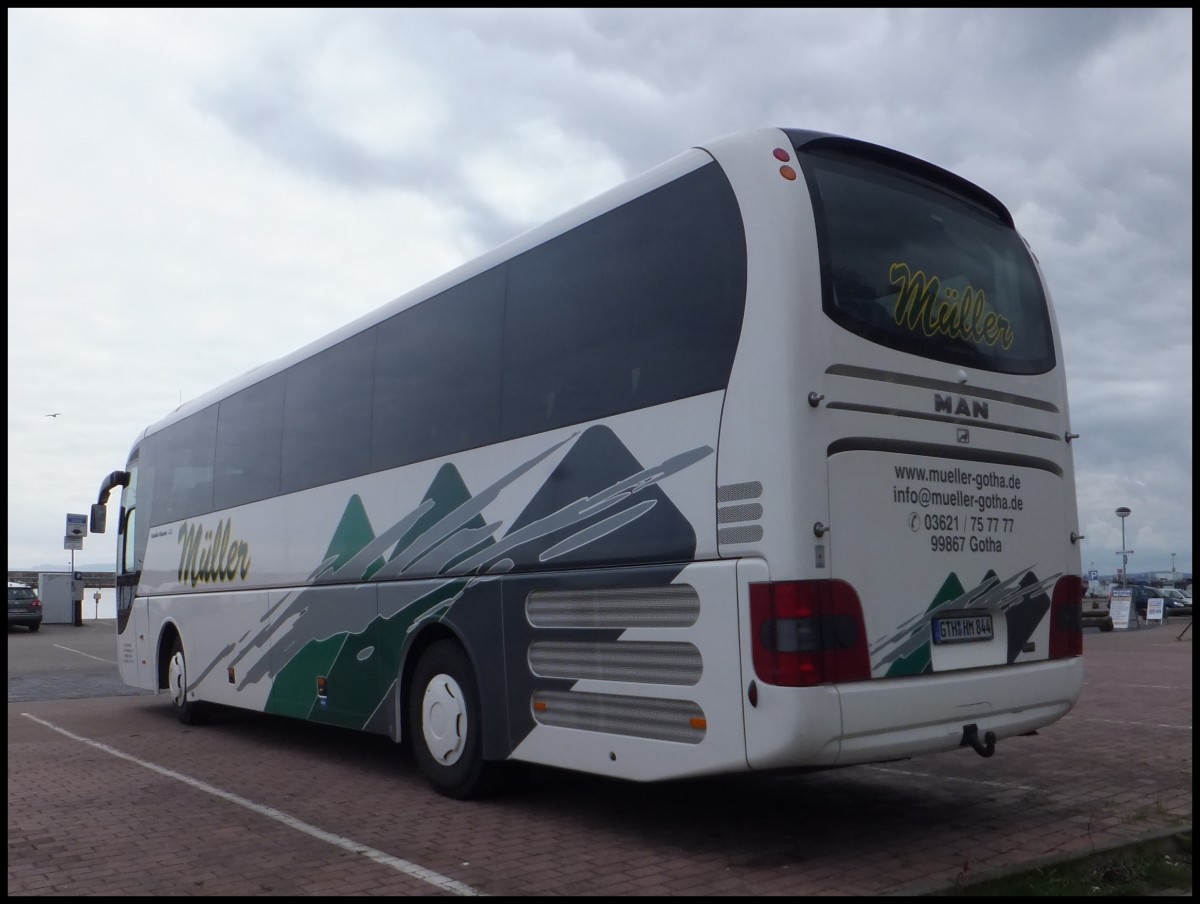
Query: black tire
446, 723
189, 712
34, 627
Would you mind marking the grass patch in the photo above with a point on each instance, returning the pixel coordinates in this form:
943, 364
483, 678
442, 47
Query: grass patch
1154, 867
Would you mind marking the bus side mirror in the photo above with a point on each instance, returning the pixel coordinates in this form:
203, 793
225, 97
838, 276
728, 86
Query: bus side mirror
99, 512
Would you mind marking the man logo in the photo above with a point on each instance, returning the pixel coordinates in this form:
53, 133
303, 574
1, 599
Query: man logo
964, 435
944, 404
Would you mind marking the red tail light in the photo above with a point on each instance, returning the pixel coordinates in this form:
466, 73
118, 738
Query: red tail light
807, 633
1066, 617
35, 603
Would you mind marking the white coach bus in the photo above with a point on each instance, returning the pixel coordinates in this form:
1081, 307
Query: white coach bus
758, 461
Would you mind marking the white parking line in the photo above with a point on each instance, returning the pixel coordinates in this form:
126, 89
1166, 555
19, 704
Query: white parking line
1131, 723
949, 778
402, 866
88, 655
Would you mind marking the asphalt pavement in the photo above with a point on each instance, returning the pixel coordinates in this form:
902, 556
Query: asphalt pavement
109, 795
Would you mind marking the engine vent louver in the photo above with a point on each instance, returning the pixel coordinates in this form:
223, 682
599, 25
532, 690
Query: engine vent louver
644, 662
672, 606
734, 509
649, 664
639, 717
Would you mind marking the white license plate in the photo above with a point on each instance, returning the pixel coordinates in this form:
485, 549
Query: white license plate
962, 628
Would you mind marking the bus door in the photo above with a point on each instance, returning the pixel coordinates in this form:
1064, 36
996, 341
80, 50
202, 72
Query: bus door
136, 662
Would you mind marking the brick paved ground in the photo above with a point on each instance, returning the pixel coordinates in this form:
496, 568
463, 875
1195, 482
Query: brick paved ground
84, 820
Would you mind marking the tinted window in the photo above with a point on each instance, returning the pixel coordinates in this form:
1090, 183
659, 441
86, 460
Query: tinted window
918, 268
327, 415
640, 306
179, 461
437, 375
637, 307
249, 431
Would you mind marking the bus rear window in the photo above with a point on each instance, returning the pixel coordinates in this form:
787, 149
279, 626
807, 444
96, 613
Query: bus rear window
919, 268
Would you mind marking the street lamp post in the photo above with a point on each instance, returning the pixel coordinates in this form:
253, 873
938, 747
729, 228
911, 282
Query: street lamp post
1125, 553
1124, 513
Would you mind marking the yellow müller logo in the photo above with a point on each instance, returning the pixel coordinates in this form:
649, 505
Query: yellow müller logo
958, 315
211, 556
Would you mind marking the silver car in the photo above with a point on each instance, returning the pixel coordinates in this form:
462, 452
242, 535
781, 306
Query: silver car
1175, 601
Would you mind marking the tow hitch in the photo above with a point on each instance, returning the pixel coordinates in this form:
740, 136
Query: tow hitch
971, 736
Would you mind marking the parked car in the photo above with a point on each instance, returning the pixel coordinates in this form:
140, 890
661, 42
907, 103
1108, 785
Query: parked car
1175, 601
1141, 595
24, 607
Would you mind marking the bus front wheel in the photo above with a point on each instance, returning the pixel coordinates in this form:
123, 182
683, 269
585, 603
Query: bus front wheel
190, 712
446, 723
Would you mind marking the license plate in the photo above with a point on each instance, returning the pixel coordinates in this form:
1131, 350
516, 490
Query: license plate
962, 628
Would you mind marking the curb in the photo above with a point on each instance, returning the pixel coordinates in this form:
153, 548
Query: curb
1171, 839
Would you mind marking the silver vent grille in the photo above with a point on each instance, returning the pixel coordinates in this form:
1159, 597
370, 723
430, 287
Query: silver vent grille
750, 534
749, 512
639, 717
646, 662
733, 492
741, 514
672, 606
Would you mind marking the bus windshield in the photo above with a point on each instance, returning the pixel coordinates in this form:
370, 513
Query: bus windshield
916, 267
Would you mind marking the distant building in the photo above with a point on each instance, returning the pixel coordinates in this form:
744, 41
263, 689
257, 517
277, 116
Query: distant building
1148, 579
1168, 579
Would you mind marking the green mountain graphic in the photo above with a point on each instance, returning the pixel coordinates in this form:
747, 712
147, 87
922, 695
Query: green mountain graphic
352, 534
918, 662
360, 668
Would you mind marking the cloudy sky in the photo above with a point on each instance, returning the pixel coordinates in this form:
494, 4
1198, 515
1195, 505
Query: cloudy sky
192, 193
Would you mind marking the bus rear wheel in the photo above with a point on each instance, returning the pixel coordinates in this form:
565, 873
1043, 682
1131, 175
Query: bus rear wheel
190, 712
446, 723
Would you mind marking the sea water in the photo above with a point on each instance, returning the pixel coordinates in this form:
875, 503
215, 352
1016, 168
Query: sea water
99, 603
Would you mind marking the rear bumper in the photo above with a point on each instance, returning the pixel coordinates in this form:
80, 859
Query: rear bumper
896, 718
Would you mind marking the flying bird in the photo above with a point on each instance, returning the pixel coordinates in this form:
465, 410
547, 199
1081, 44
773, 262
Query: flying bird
56, 414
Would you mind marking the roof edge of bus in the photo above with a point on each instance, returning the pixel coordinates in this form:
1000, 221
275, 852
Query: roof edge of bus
805, 138
683, 162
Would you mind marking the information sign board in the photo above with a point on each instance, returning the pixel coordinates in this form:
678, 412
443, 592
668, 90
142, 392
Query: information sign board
1119, 604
